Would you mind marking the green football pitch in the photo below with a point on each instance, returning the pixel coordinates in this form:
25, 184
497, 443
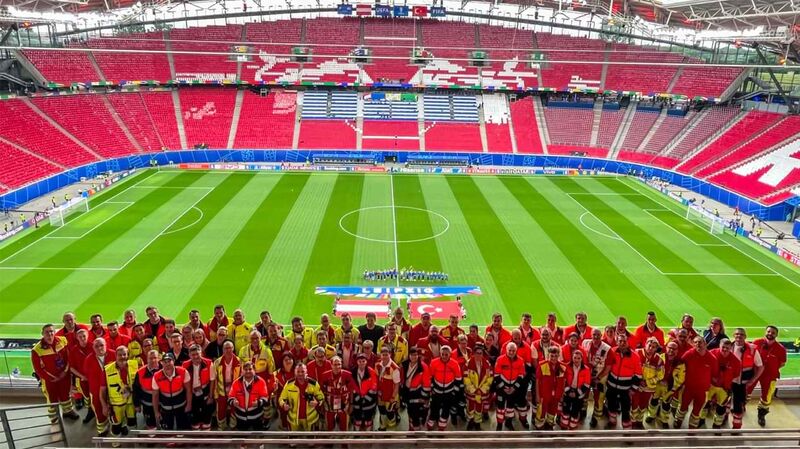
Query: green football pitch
183, 240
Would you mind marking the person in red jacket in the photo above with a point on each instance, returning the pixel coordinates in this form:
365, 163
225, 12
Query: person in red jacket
580, 327
523, 352
415, 391
549, 389
510, 380
94, 369
701, 367
773, 355
529, 332
50, 360
719, 395
577, 384
97, 330
501, 334
114, 338
624, 369
283, 376
389, 377
556, 332
199, 369
70, 329
572, 344
365, 395
431, 346
338, 387
77, 354
687, 323
452, 331
248, 398
540, 347
420, 330
446, 383
647, 330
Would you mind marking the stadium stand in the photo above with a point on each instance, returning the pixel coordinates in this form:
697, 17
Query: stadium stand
207, 114
64, 67
666, 132
20, 168
569, 126
23, 126
641, 123
443, 136
390, 38
640, 78
160, 105
498, 138
266, 122
130, 67
563, 76
205, 67
266, 66
379, 135
333, 36
510, 44
706, 81
88, 119
609, 126
318, 134
710, 121
141, 124
526, 132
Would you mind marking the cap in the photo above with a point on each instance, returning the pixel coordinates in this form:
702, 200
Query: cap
361, 355
479, 347
425, 314
168, 356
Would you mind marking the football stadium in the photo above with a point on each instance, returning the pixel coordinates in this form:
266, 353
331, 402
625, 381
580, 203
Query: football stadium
527, 223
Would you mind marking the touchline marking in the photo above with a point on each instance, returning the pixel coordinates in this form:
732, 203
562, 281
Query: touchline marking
394, 230
679, 232
722, 274
127, 205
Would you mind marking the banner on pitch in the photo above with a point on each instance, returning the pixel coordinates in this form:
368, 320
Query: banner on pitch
438, 310
361, 307
398, 292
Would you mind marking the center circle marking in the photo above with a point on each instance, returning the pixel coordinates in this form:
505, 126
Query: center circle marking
370, 239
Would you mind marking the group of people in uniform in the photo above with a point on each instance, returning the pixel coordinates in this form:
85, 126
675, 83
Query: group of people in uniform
228, 373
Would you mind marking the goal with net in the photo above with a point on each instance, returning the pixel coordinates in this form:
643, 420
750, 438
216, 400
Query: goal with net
58, 216
705, 219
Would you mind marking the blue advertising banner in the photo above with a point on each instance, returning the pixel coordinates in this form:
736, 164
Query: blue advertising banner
383, 11
345, 9
401, 11
438, 11
398, 292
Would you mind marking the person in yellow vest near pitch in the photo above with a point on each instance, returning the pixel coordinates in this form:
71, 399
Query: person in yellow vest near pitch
239, 331
300, 398
116, 396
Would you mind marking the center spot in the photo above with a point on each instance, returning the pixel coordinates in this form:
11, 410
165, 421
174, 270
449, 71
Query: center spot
374, 224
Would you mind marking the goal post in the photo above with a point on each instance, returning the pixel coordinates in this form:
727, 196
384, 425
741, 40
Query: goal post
705, 219
58, 215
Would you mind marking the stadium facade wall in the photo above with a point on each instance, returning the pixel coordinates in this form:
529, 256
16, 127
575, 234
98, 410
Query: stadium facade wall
23, 195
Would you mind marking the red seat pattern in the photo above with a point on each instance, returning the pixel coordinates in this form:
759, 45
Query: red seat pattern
266, 122
63, 66
88, 119
746, 185
562, 76
526, 132
162, 109
640, 78
498, 138
23, 126
137, 118
333, 36
20, 168
207, 114
506, 44
389, 129
745, 129
269, 39
390, 37
641, 123
207, 67
705, 81
569, 126
146, 66
787, 128
712, 121
666, 133
452, 137
318, 134
609, 127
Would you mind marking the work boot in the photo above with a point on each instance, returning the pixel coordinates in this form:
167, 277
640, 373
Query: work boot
525, 424
498, 427
650, 420
593, 422
762, 417
509, 424
71, 415
89, 416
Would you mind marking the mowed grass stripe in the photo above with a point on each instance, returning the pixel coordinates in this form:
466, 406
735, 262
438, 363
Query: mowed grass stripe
129, 283
180, 279
371, 223
278, 277
612, 292
332, 257
414, 225
521, 289
235, 269
461, 255
34, 284
713, 294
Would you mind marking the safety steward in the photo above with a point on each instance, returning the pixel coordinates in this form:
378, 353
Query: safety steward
652, 375
172, 395
446, 383
300, 398
577, 384
524, 352
669, 388
596, 351
117, 393
701, 367
549, 389
478, 379
261, 356
248, 397
388, 389
338, 387
415, 391
396, 343
50, 359
282, 377
224, 371
773, 354
721, 391
143, 389
77, 354
624, 369
199, 369
752, 368
365, 396
94, 368
510, 379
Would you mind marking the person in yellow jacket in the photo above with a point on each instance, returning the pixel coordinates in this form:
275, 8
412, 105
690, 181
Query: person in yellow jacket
261, 356
225, 370
652, 375
669, 388
239, 331
116, 395
299, 330
300, 398
398, 345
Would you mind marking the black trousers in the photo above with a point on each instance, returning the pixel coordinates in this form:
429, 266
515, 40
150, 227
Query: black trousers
202, 411
417, 414
572, 407
252, 424
176, 419
619, 401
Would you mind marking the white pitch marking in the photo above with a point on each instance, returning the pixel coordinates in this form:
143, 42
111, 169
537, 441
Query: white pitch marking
679, 232
189, 225
369, 239
612, 237
394, 230
127, 203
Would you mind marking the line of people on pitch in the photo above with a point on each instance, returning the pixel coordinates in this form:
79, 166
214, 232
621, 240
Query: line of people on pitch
405, 274
434, 374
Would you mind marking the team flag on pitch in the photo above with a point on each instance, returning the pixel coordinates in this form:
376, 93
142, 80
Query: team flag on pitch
360, 307
439, 310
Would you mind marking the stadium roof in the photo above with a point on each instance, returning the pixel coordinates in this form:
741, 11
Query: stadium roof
732, 14
67, 5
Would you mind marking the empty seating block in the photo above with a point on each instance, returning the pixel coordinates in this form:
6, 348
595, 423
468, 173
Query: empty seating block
207, 114
137, 118
705, 81
23, 126
609, 126
569, 126
266, 122
508, 44
205, 67
666, 132
142, 66
327, 134
273, 41
498, 138
452, 137
390, 135
20, 168
390, 37
641, 123
161, 107
332, 36
568, 150
88, 119
526, 132
562, 76
640, 78
711, 121
63, 66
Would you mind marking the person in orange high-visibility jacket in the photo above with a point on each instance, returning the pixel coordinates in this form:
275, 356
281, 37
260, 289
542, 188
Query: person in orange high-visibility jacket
77, 354
624, 369
365, 396
50, 360
719, 395
225, 370
526, 354
773, 354
577, 384
549, 389
648, 330
478, 379
248, 397
446, 383
752, 368
143, 388
652, 374
509, 383
701, 367
300, 398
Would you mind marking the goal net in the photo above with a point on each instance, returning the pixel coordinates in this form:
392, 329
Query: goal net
705, 219
58, 216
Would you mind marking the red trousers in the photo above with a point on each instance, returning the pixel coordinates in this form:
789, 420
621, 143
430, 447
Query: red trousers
341, 418
57, 392
223, 413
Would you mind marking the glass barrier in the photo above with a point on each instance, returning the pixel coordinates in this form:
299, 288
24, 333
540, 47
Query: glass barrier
16, 368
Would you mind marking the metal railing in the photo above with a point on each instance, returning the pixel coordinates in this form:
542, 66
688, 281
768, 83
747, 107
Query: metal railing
29, 427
